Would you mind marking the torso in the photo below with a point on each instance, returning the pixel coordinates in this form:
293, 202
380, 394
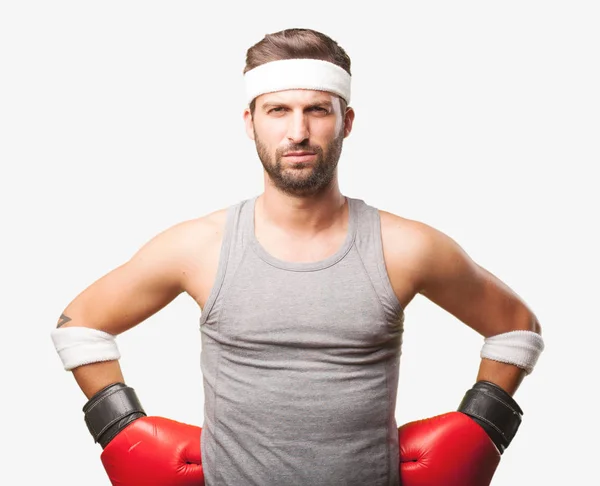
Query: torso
301, 337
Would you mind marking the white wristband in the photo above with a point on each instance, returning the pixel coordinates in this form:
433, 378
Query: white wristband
519, 348
78, 346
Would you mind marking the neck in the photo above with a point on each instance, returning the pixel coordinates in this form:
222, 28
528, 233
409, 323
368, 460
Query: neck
302, 216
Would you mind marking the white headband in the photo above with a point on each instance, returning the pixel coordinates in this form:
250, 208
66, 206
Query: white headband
297, 74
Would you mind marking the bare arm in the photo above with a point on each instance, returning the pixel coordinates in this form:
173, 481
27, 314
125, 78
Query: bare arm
452, 280
424, 260
131, 293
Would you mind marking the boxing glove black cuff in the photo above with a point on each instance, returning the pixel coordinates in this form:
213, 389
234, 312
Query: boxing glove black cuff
495, 410
110, 410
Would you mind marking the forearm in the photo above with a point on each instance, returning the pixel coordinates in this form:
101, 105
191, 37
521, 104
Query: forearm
506, 359
510, 355
490, 401
93, 370
506, 376
93, 377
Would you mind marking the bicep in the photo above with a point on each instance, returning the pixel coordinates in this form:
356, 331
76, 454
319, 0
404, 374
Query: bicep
452, 280
133, 291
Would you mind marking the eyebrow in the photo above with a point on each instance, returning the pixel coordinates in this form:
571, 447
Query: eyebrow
318, 104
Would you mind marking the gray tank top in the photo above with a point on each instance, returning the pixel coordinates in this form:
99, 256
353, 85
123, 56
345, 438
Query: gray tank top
300, 362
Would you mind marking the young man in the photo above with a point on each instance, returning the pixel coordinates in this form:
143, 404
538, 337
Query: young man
302, 292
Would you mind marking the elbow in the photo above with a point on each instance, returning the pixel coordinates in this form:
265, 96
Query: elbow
524, 320
527, 321
537, 327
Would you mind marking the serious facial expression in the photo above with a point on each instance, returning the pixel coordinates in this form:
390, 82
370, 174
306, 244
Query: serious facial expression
299, 136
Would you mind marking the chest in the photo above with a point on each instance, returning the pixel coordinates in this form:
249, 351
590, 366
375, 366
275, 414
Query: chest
336, 306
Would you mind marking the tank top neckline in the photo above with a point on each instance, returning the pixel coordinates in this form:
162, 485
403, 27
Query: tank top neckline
331, 260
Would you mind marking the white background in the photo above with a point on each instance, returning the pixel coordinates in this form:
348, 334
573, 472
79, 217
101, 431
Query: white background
121, 118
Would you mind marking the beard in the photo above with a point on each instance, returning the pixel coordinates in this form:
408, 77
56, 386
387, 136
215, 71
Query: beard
297, 180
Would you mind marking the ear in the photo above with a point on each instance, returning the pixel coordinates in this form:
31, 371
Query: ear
249, 123
348, 120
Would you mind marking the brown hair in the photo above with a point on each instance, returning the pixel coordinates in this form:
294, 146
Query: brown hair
296, 44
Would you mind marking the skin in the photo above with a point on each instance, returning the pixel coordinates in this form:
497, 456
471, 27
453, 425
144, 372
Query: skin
301, 216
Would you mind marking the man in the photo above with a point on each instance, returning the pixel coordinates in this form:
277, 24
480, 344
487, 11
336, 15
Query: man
302, 292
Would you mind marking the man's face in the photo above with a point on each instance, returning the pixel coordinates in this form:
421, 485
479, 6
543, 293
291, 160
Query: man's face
299, 136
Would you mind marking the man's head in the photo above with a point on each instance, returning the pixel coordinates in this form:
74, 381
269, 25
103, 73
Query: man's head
298, 131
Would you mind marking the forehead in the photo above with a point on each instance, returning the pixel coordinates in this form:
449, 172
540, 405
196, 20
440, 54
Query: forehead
297, 97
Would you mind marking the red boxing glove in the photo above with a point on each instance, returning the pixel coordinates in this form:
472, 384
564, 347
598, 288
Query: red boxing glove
460, 448
141, 450
155, 451
446, 450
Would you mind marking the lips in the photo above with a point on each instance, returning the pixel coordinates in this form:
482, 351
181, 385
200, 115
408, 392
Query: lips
300, 157
298, 154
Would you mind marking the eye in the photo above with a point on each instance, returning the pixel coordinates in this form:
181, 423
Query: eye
319, 109
277, 109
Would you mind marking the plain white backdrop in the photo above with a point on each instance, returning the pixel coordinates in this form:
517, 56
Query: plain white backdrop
119, 119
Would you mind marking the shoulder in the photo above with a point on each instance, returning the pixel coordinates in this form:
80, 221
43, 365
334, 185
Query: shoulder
185, 239
207, 225
408, 235
417, 248
198, 232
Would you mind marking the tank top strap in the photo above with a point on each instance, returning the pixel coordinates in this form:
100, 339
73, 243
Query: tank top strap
233, 246
370, 248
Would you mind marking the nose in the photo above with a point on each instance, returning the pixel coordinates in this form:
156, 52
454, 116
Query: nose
297, 128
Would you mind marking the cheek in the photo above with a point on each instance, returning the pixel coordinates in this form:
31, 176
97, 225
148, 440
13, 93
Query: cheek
324, 131
271, 133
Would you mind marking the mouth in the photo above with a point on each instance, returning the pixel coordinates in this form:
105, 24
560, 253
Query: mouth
300, 153
299, 156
